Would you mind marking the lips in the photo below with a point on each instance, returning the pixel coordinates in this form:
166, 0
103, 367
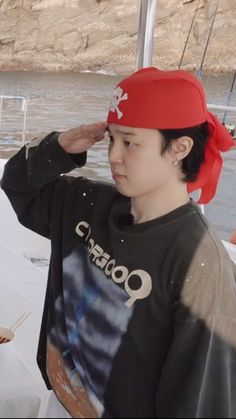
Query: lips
117, 176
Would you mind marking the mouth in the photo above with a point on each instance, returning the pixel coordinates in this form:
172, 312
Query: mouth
117, 176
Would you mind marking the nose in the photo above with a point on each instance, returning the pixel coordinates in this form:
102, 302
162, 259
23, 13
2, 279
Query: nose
115, 153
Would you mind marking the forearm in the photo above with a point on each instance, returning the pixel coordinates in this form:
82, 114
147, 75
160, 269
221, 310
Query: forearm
37, 164
30, 177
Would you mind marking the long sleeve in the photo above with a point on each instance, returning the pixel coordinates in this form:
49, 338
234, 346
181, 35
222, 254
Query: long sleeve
31, 176
199, 375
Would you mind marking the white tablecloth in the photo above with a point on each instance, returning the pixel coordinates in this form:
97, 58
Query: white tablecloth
23, 393
22, 289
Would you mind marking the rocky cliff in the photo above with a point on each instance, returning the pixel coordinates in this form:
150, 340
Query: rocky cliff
78, 35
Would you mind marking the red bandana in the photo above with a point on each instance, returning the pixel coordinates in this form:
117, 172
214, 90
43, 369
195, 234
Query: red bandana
155, 99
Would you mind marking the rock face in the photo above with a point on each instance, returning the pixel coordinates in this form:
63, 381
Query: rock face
78, 35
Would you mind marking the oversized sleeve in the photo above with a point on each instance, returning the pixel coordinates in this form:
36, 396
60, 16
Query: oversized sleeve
198, 378
32, 176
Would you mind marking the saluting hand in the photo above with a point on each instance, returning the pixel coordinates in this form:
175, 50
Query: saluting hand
80, 139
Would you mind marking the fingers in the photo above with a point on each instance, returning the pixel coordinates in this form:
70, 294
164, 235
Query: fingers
99, 138
100, 125
96, 129
93, 132
80, 139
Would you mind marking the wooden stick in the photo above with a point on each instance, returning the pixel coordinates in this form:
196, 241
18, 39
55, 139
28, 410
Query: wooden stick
17, 324
17, 321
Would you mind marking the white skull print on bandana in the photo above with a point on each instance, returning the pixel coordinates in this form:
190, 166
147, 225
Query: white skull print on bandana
118, 97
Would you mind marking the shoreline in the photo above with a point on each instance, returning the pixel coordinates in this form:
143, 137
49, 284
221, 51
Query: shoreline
105, 69
103, 72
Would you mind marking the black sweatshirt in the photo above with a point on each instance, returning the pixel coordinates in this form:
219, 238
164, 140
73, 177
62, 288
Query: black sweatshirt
139, 319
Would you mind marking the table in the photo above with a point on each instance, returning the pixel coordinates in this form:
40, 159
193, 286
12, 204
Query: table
22, 285
23, 393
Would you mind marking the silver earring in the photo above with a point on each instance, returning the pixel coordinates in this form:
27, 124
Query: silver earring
176, 162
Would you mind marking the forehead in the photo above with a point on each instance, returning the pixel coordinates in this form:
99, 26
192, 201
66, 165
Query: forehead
115, 129
122, 129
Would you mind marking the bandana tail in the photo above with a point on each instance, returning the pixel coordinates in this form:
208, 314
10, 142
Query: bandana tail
207, 180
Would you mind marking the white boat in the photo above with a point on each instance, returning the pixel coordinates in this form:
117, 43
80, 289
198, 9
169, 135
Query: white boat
30, 245
19, 247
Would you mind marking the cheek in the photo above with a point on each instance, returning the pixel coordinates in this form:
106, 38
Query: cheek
155, 169
149, 163
144, 172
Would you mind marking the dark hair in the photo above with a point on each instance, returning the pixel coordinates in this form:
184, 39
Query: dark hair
192, 162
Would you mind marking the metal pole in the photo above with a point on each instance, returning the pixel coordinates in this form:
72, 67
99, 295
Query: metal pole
145, 33
24, 108
1, 102
229, 96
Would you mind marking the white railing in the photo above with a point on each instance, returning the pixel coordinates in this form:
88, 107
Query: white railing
23, 109
231, 127
221, 107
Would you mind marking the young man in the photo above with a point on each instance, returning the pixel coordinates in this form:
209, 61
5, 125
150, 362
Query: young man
140, 311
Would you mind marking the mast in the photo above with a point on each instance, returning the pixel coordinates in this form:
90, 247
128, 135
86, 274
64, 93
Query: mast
199, 70
146, 27
189, 32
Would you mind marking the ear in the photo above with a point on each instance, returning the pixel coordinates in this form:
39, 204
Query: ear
181, 147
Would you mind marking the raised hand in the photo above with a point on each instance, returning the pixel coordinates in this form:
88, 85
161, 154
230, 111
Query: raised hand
80, 139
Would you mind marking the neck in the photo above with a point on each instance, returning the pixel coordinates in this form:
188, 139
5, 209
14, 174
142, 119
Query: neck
150, 206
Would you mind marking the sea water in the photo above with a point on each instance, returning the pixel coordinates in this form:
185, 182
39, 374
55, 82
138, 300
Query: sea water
59, 101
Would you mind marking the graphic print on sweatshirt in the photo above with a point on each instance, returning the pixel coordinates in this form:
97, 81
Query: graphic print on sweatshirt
118, 273
90, 319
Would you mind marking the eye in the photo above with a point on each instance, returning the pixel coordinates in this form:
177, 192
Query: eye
129, 144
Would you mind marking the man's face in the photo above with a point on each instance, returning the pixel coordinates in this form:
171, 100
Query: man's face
137, 165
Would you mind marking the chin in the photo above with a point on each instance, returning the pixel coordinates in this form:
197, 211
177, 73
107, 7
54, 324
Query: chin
127, 193
123, 191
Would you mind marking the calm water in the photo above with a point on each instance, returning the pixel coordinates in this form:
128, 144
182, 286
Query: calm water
62, 101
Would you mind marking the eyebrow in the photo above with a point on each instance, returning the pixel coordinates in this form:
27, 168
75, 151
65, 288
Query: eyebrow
117, 131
